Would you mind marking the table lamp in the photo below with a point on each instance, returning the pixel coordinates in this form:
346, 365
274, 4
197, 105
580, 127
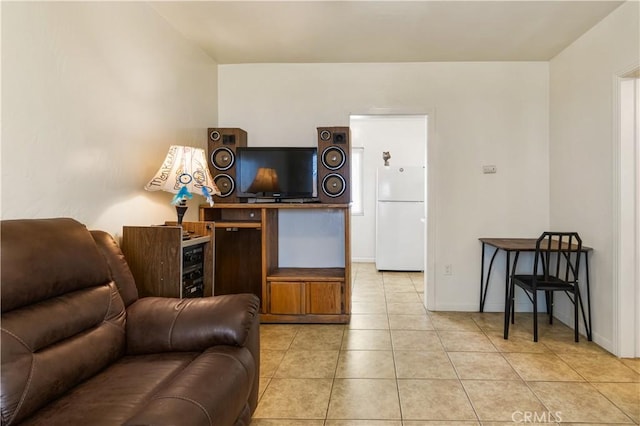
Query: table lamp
182, 172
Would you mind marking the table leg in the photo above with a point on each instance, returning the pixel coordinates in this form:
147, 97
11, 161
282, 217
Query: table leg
483, 295
586, 317
512, 308
506, 296
586, 260
482, 279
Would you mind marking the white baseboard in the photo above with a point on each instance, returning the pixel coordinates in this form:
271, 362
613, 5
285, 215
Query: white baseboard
363, 260
455, 307
488, 307
567, 319
606, 344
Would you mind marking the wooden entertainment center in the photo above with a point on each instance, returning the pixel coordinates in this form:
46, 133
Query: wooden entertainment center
250, 241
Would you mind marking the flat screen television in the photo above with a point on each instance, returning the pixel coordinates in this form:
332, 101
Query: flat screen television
278, 173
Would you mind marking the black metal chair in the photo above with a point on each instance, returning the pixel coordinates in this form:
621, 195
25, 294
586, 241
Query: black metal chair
558, 254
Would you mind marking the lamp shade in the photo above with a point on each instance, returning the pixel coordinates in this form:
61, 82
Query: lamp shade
266, 180
182, 172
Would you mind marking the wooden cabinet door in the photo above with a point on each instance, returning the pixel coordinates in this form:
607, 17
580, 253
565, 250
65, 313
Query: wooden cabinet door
324, 297
286, 298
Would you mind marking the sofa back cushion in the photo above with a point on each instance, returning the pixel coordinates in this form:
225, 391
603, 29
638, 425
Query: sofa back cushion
63, 319
120, 271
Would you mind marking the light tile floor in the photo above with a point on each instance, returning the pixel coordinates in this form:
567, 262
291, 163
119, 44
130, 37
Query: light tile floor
396, 364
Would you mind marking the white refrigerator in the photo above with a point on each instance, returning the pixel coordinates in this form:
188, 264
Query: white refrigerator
400, 219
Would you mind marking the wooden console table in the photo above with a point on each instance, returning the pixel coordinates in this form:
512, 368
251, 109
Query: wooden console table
247, 259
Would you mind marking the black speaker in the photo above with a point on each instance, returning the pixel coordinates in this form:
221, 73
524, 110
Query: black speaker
221, 147
334, 166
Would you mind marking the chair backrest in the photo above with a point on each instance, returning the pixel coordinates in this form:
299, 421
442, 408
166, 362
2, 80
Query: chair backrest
63, 318
559, 255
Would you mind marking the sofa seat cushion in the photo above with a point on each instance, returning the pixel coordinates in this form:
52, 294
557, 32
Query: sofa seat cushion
159, 389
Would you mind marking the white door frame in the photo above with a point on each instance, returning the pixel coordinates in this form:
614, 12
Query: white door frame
430, 196
626, 274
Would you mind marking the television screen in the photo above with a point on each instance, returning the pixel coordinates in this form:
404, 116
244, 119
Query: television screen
277, 172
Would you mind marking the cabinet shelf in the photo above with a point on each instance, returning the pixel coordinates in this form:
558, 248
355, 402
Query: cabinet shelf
239, 224
195, 240
306, 274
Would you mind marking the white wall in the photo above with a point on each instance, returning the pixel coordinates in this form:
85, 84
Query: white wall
582, 149
483, 113
93, 95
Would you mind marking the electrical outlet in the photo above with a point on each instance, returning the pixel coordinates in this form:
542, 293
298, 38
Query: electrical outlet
448, 269
489, 169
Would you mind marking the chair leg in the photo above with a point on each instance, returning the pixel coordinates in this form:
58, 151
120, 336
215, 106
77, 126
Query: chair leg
548, 298
512, 303
508, 309
576, 324
535, 315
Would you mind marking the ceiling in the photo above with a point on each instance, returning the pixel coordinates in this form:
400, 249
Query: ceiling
236, 32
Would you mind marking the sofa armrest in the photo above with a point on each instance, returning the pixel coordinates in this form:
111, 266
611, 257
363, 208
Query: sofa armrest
157, 324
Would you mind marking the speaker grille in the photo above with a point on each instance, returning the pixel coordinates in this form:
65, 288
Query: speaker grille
339, 137
333, 185
222, 158
333, 158
225, 184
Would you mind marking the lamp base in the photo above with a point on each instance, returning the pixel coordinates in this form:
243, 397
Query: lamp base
181, 209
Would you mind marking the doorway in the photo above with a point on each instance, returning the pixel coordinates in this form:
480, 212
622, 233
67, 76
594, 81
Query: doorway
628, 205
404, 138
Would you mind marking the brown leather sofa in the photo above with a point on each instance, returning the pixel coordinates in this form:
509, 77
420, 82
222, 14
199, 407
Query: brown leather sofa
80, 348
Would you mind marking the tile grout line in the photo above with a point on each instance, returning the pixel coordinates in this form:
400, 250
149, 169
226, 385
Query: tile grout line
333, 379
393, 353
466, 394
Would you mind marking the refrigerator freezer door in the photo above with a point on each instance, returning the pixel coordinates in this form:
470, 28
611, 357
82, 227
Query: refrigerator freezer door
400, 184
400, 236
